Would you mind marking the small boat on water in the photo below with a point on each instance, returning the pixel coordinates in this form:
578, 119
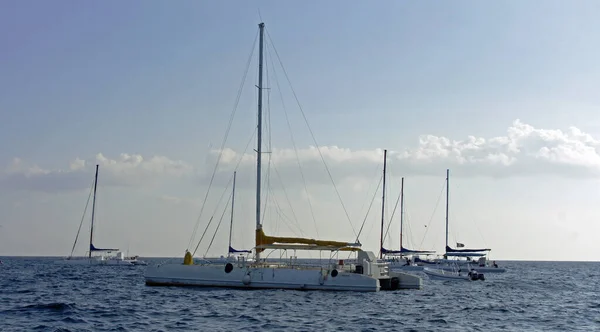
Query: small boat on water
136, 261
106, 256
441, 274
464, 257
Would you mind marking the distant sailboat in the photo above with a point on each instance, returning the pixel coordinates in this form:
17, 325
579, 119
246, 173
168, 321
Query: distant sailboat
105, 257
393, 255
231, 257
482, 264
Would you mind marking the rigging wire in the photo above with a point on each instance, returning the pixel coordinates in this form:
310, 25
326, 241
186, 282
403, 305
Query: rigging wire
218, 225
287, 119
409, 239
313, 136
283, 217
269, 146
367, 192
369, 209
432, 215
235, 107
213, 214
230, 181
288, 200
82, 218
392, 217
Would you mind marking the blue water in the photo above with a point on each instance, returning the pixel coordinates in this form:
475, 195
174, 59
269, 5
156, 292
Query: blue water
36, 295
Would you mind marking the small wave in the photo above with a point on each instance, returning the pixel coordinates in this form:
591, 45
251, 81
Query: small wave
55, 306
72, 320
248, 318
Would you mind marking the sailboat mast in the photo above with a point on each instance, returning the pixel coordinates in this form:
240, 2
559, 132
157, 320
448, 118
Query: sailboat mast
93, 211
447, 200
261, 26
232, 206
382, 205
401, 210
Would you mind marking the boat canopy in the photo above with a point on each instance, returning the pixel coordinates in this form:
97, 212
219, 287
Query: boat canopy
404, 251
235, 251
305, 247
449, 250
93, 248
263, 242
465, 254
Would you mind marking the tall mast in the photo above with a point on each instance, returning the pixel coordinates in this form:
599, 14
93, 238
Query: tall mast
401, 210
261, 26
382, 205
447, 199
93, 211
232, 206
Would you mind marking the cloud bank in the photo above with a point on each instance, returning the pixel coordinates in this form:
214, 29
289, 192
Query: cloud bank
125, 170
523, 151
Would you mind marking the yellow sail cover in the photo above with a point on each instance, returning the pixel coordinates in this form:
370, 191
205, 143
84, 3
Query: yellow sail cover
262, 240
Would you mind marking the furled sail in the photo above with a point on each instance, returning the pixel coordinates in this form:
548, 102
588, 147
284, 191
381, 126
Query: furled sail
263, 240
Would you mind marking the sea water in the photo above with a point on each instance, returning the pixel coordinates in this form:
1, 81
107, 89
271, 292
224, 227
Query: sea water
37, 295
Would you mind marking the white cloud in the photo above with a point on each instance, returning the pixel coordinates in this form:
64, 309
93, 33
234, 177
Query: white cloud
523, 151
126, 170
135, 165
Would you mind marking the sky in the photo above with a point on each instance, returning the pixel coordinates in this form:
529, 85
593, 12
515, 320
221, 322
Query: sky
502, 94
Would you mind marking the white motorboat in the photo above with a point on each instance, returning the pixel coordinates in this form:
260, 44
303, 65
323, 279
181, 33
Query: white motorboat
441, 274
480, 265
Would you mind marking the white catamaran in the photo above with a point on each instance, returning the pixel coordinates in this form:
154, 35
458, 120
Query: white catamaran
106, 256
365, 274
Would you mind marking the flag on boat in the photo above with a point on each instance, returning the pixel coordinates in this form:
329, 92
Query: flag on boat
459, 245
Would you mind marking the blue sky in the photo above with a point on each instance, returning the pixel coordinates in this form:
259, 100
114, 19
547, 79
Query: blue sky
159, 79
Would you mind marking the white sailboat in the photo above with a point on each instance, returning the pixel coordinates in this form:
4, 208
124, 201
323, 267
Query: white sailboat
105, 256
399, 260
365, 275
482, 264
231, 252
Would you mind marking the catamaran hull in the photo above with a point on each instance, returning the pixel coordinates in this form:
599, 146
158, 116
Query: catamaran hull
258, 278
407, 280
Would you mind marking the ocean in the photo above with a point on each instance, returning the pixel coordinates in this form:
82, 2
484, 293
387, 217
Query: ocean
36, 295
